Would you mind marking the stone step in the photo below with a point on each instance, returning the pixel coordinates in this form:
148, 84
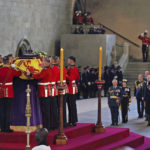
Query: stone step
139, 63
138, 69
133, 70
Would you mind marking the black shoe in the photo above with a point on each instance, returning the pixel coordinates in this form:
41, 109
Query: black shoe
9, 131
74, 124
148, 124
65, 125
112, 124
69, 124
123, 121
3, 131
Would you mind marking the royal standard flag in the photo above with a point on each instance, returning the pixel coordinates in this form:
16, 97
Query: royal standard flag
33, 65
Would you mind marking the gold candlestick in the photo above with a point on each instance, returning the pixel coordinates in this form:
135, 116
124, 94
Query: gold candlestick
28, 116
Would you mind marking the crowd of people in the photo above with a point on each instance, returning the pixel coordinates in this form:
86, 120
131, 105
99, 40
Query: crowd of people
92, 30
145, 44
87, 87
109, 74
119, 96
80, 18
142, 94
48, 81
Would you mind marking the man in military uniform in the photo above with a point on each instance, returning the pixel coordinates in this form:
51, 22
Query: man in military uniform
91, 82
85, 86
145, 44
79, 83
119, 75
7, 75
145, 81
146, 98
44, 87
125, 99
112, 74
54, 96
146, 74
106, 77
138, 93
73, 76
114, 101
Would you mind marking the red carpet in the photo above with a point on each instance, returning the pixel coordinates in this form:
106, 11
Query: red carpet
81, 138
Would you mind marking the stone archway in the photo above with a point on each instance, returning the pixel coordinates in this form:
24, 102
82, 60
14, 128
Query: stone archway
23, 47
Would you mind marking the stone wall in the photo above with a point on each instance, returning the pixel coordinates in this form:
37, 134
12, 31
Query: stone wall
127, 17
85, 48
40, 21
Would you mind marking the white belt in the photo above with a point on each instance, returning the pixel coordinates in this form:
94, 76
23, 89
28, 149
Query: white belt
10, 83
44, 83
73, 81
47, 83
53, 83
74, 88
64, 81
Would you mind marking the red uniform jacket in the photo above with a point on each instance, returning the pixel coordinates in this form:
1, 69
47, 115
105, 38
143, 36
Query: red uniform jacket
89, 21
145, 40
55, 79
73, 75
6, 81
44, 85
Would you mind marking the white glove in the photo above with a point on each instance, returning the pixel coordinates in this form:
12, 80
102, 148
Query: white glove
13, 65
142, 34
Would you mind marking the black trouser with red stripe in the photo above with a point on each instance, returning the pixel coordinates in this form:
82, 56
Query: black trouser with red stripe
54, 119
5, 109
46, 112
145, 52
71, 100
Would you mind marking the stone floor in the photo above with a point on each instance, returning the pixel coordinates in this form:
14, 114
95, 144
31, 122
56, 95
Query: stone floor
87, 113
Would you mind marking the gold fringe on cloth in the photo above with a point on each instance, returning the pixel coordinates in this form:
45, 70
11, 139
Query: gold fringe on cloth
24, 128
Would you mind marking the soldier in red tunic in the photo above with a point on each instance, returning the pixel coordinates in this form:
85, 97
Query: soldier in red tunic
54, 105
65, 92
6, 93
145, 45
44, 91
73, 76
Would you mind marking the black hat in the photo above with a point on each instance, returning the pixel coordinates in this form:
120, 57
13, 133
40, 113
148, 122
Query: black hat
118, 67
106, 67
112, 67
6, 59
72, 58
95, 70
85, 68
